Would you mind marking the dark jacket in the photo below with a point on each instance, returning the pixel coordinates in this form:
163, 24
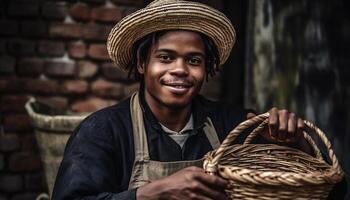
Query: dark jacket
99, 155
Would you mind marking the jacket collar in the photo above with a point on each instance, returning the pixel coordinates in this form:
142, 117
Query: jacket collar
198, 110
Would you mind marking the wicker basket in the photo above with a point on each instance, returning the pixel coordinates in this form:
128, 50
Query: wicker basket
52, 131
268, 171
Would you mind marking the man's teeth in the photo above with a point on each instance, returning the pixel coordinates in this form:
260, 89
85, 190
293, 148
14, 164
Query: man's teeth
177, 86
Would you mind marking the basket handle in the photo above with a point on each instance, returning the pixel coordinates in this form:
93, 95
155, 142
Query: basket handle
262, 126
212, 164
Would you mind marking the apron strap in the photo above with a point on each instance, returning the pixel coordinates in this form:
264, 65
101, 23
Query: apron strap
211, 134
139, 131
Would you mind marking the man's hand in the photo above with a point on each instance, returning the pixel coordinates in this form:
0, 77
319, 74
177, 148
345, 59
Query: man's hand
188, 183
285, 128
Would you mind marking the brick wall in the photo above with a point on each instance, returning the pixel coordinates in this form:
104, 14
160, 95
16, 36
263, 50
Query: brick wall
56, 51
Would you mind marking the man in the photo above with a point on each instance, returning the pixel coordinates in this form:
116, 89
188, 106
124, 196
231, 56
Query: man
150, 146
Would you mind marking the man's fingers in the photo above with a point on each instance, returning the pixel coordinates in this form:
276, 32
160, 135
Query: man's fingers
207, 191
273, 122
284, 127
208, 185
250, 115
300, 128
195, 169
196, 196
283, 116
292, 128
211, 180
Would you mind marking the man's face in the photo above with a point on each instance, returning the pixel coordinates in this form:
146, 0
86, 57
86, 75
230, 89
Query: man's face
176, 68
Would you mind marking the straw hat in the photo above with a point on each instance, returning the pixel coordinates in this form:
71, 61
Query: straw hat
170, 15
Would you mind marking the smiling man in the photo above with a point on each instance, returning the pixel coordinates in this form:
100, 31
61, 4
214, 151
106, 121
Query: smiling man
151, 145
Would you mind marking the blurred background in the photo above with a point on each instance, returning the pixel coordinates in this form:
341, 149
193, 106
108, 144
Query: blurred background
292, 54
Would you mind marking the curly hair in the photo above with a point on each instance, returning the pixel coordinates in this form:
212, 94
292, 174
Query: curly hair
141, 48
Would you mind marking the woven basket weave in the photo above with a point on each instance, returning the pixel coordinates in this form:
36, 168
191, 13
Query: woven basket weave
268, 171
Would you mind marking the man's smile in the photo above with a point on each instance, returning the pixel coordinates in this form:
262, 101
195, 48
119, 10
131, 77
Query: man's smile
177, 87
177, 83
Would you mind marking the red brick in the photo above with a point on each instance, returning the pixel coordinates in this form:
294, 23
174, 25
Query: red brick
28, 143
74, 87
86, 69
59, 104
92, 104
60, 69
8, 27
62, 30
11, 85
9, 143
104, 88
35, 181
17, 122
11, 183
131, 89
31, 67
51, 48
98, 52
7, 64
41, 86
105, 14
33, 28
24, 162
21, 47
96, 32
77, 50
23, 8
139, 3
54, 10
80, 11
111, 72
13, 103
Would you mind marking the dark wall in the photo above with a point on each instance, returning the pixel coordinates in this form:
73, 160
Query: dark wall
232, 88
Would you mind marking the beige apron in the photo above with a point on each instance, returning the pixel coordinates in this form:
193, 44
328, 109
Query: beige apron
146, 170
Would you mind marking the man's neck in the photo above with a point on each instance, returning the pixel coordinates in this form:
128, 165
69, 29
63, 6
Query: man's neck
174, 118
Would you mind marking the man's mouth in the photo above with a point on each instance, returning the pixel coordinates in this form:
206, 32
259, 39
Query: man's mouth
177, 83
178, 87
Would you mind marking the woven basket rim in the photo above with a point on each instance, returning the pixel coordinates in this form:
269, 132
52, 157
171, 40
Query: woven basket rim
60, 123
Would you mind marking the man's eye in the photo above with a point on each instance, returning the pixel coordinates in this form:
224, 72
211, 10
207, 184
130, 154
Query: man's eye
164, 58
195, 61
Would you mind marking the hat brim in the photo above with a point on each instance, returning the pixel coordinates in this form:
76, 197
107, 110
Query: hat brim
181, 15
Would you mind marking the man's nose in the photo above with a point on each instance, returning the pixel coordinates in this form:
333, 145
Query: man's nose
180, 68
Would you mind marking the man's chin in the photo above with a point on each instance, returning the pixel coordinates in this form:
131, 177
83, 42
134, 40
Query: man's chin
172, 100
177, 103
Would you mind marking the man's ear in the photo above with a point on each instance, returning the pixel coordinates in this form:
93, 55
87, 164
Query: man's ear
141, 68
